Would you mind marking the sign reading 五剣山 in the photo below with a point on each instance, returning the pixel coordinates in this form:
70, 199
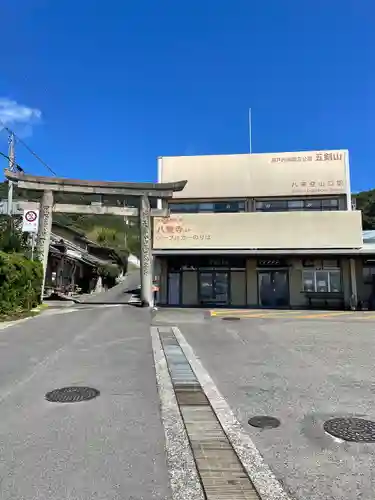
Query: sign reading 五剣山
328, 156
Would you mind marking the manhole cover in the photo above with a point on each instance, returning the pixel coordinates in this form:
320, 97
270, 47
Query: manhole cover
356, 430
72, 394
264, 422
231, 318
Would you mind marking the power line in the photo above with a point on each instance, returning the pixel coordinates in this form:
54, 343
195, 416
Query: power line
10, 131
18, 167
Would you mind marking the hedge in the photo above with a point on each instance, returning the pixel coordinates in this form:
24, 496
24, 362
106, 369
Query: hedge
20, 283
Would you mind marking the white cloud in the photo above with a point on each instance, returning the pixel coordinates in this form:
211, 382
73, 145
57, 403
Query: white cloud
12, 113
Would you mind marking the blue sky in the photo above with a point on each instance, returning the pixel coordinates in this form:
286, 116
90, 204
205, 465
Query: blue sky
110, 85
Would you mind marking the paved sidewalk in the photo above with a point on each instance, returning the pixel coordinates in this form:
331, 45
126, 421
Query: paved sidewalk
304, 373
109, 448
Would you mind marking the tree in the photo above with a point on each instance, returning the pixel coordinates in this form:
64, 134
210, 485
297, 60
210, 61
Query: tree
366, 203
11, 237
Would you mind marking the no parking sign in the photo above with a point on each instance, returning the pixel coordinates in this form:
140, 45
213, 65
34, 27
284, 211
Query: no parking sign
30, 221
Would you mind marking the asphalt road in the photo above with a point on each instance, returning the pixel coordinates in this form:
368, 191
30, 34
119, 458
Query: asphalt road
119, 294
302, 372
109, 448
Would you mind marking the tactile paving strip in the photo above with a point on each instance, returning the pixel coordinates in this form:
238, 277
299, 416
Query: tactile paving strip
220, 470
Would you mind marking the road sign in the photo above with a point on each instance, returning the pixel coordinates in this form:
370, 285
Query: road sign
30, 221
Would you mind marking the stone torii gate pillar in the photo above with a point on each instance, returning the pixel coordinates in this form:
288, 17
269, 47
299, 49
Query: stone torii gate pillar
113, 190
147, 297
44, 232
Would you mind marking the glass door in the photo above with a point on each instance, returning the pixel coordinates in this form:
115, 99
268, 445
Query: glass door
273, 288
221, 286
174, 283
214, 287
206, 287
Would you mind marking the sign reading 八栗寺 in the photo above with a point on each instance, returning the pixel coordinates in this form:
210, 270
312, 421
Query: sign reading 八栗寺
30, 221
173, 229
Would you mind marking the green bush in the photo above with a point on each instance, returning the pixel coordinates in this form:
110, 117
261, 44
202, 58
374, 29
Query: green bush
20, 283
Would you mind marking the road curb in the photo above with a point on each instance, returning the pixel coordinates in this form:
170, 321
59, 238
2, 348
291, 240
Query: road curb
36, 311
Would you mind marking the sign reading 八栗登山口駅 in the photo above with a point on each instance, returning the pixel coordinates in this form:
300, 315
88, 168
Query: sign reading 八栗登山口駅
317, 186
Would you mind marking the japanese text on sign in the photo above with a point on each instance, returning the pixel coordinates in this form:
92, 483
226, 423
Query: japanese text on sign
174, 230
317, 157
30, 221
318, 186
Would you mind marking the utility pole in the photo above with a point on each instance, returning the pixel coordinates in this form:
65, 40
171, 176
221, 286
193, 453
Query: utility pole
12, 158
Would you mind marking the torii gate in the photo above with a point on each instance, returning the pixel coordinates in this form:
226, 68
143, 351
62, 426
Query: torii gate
51, 187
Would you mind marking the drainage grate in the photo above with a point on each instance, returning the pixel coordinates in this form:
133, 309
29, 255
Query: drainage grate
231, 318
195, 397
72, 394
356, 430
264, 422
221, 472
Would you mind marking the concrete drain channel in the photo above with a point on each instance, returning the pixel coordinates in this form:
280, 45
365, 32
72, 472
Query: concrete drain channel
221, 472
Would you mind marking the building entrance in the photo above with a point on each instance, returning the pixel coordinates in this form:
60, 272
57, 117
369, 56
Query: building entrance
214, 288
273, 288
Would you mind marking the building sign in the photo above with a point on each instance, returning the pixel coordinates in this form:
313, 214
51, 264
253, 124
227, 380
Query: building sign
272, 263
317, 186
30, 221
338, 156
174, 229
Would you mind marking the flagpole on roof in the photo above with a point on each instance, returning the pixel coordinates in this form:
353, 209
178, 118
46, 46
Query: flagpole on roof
250, 133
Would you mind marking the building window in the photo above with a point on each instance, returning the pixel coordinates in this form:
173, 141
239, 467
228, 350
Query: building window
296, 205
368, 274
183, 208
330, 204
322, 280
208, 207
271, 206
312, 205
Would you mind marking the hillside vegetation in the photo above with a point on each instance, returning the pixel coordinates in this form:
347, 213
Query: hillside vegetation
366, 203
107, 230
